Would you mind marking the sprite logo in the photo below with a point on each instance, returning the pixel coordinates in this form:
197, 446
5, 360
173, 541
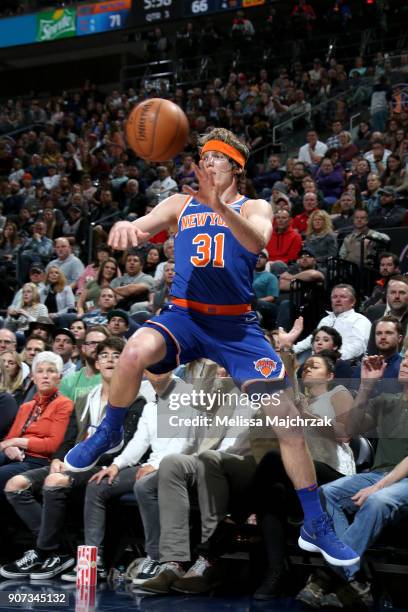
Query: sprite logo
57, 24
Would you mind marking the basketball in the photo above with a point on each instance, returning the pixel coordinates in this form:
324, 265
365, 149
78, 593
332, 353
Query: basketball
157, 129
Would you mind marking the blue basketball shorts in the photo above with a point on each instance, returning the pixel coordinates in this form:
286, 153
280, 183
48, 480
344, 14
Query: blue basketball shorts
235, 342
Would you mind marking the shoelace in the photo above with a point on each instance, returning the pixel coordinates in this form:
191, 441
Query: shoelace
324, 526
198, 568
29, 556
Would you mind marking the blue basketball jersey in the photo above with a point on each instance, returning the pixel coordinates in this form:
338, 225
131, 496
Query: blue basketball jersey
211, 265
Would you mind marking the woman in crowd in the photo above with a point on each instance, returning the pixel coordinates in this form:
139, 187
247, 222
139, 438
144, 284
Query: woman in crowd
90, 296
320, 238
355, 192
40, 425
9, 245
53, 224
168, 252
347, 149
328, 339
91, 271
8, 405
29, 311
359, 174
398, 147
394, 174
152, 260
57, 294
78, 328
362, 141
14, 378
276, 499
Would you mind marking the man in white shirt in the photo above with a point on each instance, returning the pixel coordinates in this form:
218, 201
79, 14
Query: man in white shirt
167, 495
312, 152
377, 157
353, 327
163, 187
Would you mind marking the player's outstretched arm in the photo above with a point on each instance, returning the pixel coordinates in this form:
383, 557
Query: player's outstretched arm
253, 227
126, 234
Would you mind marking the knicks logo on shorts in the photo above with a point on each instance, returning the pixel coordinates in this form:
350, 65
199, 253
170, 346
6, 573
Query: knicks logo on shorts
265, 366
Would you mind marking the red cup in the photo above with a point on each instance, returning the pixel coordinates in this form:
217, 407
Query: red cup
86, 566
85, 599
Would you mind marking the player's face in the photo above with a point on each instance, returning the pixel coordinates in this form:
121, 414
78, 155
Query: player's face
218, 164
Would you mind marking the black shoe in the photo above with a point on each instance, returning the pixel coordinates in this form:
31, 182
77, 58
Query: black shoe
350, 596
148, 569
200, 578
272, 585
53, 566
101, 573
317, 586
22, 567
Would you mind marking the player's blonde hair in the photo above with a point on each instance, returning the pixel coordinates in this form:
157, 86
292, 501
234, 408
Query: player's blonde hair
225, 136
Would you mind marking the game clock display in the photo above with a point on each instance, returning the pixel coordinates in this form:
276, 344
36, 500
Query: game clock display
149, 11
103, 17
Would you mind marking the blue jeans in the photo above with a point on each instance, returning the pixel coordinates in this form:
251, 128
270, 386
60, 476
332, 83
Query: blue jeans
380, 509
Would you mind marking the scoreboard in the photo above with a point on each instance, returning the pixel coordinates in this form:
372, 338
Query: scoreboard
103, 16
150, 11
107, 16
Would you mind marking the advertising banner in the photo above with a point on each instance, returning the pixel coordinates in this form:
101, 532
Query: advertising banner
54, 25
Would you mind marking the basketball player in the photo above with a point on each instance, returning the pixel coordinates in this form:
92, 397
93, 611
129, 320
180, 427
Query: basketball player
219, 234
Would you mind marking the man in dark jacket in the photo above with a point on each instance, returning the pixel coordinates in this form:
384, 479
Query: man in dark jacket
390, 214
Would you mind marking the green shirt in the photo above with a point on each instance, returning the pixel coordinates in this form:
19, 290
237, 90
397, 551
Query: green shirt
78, 384
390, 414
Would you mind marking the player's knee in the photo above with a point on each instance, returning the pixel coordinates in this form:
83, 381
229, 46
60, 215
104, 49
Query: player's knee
139, 353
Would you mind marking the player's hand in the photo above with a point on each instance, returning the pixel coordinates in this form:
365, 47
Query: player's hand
373, 367
110, 473
207, 192
125, 234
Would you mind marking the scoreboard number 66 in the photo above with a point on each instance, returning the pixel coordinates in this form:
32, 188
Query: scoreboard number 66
199, 6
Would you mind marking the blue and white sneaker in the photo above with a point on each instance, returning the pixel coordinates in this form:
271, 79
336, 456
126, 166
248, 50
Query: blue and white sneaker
319, 536
87, 453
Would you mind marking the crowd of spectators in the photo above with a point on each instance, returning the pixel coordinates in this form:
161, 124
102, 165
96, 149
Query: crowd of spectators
64, 181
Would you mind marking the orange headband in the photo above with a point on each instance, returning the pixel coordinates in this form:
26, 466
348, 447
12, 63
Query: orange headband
223, 147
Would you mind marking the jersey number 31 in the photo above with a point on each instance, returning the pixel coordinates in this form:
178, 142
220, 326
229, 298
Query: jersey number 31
208, 250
